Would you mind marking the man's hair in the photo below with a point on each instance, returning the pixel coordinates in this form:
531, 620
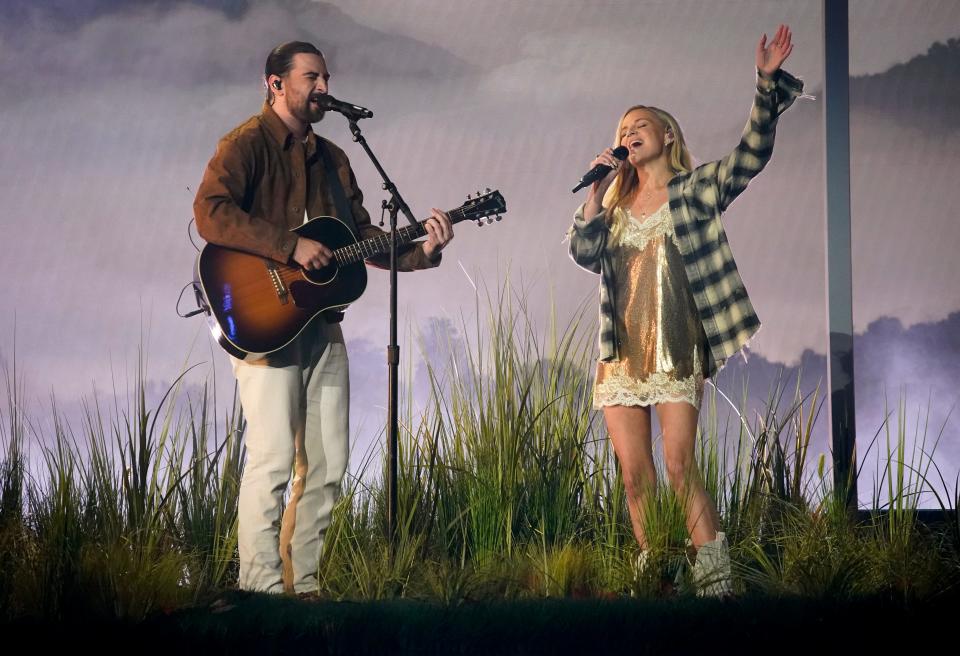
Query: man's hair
280, 60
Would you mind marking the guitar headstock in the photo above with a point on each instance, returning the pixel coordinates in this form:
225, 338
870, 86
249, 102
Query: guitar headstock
486, 207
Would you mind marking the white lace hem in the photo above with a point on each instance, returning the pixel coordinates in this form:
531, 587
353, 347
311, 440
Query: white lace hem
659, 387
619, 388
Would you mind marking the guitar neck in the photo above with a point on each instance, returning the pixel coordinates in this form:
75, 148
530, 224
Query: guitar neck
381, 243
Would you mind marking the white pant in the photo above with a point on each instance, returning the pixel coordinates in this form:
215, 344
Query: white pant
296, 404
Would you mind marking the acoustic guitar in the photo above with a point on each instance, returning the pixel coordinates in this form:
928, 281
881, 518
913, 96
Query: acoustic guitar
256, 305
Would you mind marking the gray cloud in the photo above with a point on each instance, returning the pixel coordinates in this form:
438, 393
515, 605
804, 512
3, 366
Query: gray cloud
159, 46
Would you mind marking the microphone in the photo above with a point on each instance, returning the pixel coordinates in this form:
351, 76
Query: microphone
599, 171
352, 112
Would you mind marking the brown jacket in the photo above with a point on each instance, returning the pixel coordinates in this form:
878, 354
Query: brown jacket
258, 183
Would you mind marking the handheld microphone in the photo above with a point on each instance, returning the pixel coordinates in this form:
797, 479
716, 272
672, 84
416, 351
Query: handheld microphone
352, 112
599, 171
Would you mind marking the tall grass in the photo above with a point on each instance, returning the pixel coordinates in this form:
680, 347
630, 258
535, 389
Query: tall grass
128, 519
508, 488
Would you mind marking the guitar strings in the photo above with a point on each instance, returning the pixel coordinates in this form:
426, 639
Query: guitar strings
370, 247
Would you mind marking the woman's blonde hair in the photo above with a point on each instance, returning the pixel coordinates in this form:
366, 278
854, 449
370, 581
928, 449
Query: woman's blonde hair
621, 193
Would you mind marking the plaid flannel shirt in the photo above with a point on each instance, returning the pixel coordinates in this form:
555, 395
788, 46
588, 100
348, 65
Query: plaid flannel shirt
697, 201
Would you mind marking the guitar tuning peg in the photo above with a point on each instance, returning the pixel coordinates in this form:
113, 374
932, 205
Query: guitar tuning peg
498, 217
480, 222
488, 190
468, 196
478, 193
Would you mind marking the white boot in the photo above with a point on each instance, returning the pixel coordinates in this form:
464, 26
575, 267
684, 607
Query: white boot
711, 570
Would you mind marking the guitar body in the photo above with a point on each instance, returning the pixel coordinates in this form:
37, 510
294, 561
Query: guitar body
257, 305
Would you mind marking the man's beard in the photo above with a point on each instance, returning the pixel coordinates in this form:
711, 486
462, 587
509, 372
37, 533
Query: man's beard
307, 113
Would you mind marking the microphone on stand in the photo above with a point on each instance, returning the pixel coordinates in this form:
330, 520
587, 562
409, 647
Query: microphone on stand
352, 112
600, 171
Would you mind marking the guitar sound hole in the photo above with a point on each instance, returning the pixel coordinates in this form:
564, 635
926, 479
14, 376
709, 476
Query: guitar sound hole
324, 275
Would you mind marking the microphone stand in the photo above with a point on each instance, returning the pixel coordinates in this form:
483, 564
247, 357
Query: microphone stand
395, 205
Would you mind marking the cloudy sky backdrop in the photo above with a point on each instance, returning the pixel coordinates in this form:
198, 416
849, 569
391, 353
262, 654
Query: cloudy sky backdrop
112, 110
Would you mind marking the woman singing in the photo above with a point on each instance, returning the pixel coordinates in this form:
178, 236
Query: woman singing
673, 308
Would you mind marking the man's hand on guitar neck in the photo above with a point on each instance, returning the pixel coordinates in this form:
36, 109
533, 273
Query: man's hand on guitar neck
439, 233
311, 254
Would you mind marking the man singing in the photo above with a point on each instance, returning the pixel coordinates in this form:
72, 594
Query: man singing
269, 175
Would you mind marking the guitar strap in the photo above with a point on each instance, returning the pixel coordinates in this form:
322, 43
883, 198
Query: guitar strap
344, 213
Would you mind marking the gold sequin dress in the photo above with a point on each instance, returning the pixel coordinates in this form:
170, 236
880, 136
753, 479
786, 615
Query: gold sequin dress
663, 346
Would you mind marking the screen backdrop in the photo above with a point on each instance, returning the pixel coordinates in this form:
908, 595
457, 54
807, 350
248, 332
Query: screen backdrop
112, 110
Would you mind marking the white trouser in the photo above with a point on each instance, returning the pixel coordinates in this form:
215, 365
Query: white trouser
297, 409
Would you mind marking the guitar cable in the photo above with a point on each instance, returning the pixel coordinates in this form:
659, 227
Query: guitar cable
201, 306
191, 222
196, 292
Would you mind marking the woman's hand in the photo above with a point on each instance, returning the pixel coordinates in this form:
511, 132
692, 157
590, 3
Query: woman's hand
606, 158
771, 57
599, 188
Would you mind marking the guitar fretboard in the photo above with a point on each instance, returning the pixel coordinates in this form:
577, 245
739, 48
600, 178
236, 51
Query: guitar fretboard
361, 250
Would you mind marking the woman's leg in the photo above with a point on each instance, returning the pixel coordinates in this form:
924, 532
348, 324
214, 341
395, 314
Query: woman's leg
629, 428
679, 424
